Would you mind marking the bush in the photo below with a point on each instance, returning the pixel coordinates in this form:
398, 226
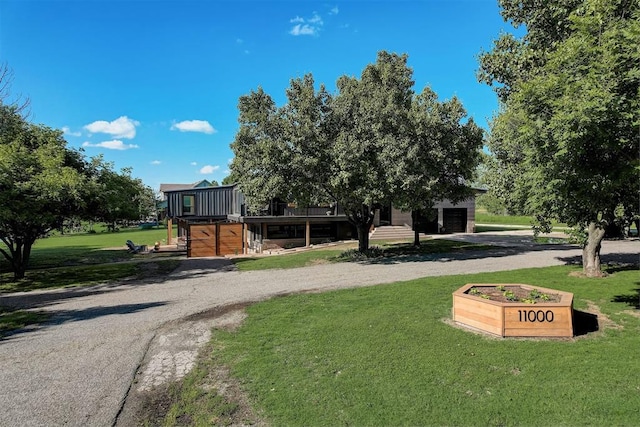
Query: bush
356, 255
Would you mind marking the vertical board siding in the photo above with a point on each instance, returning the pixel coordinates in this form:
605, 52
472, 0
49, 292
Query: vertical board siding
213, 202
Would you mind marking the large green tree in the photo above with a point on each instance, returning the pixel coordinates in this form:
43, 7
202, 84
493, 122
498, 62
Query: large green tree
566, 138
355, 148
117, 196
439, 159
42, 182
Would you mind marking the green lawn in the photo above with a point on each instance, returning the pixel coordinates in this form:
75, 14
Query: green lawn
11, 320
346, 252
82, 260
483, 217
388, 355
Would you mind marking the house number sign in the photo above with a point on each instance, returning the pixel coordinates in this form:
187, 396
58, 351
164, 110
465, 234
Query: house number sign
531, 316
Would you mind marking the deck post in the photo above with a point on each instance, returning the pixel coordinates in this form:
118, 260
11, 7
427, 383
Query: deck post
169, 230
307, 234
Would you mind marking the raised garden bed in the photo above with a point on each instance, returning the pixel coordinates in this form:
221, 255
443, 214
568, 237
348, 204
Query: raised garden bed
514, 310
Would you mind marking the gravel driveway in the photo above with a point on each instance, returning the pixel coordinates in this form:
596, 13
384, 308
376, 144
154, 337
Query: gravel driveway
78, 369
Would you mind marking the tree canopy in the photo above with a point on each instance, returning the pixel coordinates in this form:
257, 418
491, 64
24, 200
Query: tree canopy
372, 143
41, 183
565, 141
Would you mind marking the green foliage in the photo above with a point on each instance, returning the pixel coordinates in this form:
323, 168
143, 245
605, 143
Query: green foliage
118, 196
384, 356
41, 183
371, 143
565, 141
355, 255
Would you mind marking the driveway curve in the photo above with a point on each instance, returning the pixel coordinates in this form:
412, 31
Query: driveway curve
77, 369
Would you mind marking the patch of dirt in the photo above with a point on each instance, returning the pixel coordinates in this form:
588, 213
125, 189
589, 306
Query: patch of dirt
580, 274
155, 390
634, 313
604, 322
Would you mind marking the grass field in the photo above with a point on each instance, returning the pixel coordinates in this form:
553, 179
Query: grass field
485, 218
81, 260
345, 252
388, 355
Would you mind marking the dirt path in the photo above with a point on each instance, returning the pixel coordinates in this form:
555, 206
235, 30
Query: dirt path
78, 369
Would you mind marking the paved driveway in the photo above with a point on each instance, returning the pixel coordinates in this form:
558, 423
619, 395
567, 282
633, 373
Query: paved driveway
78, 369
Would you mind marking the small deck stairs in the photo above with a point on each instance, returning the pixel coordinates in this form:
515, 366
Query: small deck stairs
393, 232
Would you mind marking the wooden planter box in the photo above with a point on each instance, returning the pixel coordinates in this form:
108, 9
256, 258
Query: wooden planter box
515, 319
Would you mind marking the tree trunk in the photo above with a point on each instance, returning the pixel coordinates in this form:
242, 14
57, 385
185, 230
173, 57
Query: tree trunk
591, 251
18, 254
415, 220
361, 219
363, 237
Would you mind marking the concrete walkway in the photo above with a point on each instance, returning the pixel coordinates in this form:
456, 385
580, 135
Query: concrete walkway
78, 369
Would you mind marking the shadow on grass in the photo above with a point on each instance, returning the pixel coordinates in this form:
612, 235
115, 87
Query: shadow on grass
187, 269
584, 323
632, 300
55, 318
480, 251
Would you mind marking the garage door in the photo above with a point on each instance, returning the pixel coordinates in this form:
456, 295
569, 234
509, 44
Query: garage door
455, 220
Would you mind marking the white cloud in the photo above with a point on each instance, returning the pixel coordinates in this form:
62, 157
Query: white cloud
334, 11
122, 127
194, 163
115, 144
207, 170
194, 126
306, 26
156, 162
67, 131
303, 30
316, 19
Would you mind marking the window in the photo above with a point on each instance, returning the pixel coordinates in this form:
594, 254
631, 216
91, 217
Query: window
188, 205
285, 231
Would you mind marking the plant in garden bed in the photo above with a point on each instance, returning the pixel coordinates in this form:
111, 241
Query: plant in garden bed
512, 294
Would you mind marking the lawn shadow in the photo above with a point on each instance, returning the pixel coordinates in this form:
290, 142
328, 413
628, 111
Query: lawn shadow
613, 262
632, 300
469, 253
584, 323
188, 269
65, 316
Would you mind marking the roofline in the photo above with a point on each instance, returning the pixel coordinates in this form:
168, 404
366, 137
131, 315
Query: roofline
191, 190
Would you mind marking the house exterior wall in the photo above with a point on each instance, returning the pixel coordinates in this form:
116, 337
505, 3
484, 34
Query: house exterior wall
209, 202
402, 218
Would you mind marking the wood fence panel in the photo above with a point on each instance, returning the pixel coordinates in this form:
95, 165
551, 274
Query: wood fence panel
229, 239
202, 240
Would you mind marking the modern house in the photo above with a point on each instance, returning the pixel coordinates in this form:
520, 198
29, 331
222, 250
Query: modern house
214, 221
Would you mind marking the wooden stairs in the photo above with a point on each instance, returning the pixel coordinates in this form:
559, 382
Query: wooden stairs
393, 232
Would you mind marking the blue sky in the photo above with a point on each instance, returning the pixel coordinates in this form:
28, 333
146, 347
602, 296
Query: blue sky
154, 85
